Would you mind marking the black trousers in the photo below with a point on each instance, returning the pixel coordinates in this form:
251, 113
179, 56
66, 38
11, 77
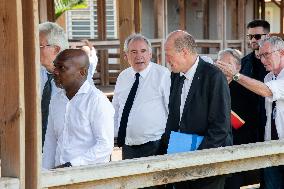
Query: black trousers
144, 150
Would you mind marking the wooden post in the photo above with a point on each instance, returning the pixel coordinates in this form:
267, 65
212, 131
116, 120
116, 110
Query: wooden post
138, 16
281, 16
12, 111
262, 5
159, 16
42, 7
205, 5
126, 26
102, 35
182, 14
32, 94
221, 26
242, 23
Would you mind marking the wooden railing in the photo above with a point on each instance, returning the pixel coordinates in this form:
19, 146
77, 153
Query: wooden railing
108, 66
159, 170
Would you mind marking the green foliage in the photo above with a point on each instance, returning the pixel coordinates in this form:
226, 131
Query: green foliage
63, 5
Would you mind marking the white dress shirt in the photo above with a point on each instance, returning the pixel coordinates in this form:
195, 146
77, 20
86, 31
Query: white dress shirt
276, 85
148, 115
93, 59
187, 84
79, 130
43, 79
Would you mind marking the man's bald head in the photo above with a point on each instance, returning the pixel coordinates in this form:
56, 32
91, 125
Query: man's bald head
76, 56
181, 39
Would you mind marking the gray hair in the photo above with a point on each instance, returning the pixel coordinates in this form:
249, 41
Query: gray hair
275, 41
136, 37
55, 35
234, 52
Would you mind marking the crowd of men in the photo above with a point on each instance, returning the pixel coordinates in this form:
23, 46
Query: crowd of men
150, 101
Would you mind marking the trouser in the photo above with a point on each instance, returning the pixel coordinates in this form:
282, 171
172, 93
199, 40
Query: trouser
274, 177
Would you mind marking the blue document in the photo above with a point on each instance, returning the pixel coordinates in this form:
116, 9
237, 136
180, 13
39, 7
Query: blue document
182, 142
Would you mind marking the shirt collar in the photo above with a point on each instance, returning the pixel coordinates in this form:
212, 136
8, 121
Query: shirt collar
83, 89
191, 70
281, 74
143, 73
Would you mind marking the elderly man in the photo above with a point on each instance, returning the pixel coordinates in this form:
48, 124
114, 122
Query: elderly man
52, 40
140, 101
80, 125
271, 54
199, 101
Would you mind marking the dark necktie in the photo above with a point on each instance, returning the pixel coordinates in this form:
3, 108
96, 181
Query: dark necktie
274, 135
174, 112
45, 100
126, 111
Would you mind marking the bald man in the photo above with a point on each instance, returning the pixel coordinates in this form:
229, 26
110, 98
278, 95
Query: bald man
199, 102
80, 124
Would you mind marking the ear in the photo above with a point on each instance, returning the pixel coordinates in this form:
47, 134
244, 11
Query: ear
125, 56
281, 51
56, 49
185, 52
84, 71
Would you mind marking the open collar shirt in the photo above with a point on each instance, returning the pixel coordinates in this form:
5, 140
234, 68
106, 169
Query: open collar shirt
148, 115
276, 85
79, 130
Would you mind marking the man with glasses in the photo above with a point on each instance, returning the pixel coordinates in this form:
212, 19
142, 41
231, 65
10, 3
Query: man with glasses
52, 40
271, 54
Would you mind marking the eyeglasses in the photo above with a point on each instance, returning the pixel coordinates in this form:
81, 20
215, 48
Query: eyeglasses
266, 54
256, 36
43, 46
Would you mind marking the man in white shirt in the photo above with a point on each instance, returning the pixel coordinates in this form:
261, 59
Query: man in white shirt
140, 101
80, 124
271, 54
52, 40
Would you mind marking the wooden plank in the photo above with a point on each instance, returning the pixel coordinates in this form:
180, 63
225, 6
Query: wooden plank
50, 10
42, 4
138, 16
126, 26
262, 8
32, 94
221, 22
101, 15
182, 14
281, 15
12, 111
205, 5
158, 170
159, 18
242, 23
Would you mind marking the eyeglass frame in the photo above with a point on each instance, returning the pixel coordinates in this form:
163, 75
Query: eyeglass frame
251, 36
266, 54
43, 46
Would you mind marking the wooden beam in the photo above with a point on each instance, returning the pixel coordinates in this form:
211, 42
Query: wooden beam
32, 94
138, 16
182, 14
126, 26
158, 170
281, 16
101, 15
242, 23
205, 5
50, 10
159, 16
42, 7
262, 8
12, 111
221, 22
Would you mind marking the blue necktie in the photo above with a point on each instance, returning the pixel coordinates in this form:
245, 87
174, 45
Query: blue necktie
45, 100
126, 111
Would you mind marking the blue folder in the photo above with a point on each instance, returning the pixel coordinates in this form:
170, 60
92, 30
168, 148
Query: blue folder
182, 142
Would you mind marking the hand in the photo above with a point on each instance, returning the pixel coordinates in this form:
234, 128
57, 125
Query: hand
228, 68
87, 43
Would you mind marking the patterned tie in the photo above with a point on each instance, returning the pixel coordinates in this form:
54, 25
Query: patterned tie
174, 111
126, 111
274, 135
45, 100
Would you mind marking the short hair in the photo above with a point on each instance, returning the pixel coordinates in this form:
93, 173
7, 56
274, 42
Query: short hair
276, 42
55, 35
259, 23
234, 52
69, 54
136, 37
185, 40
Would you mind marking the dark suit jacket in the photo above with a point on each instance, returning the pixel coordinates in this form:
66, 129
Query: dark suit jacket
207, 108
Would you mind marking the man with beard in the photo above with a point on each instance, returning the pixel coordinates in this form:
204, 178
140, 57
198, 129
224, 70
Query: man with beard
80, 123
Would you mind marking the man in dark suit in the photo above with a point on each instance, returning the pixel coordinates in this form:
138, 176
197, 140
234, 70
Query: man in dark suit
199, 102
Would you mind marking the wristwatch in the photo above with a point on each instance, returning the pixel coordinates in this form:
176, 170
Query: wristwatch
236, 76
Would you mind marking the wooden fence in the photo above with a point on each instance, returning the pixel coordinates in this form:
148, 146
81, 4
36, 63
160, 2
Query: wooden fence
159, 170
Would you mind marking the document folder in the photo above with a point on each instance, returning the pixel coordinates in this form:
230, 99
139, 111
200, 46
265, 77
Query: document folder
182, 142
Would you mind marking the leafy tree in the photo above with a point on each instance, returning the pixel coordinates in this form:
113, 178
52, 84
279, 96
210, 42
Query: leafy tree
63, 5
